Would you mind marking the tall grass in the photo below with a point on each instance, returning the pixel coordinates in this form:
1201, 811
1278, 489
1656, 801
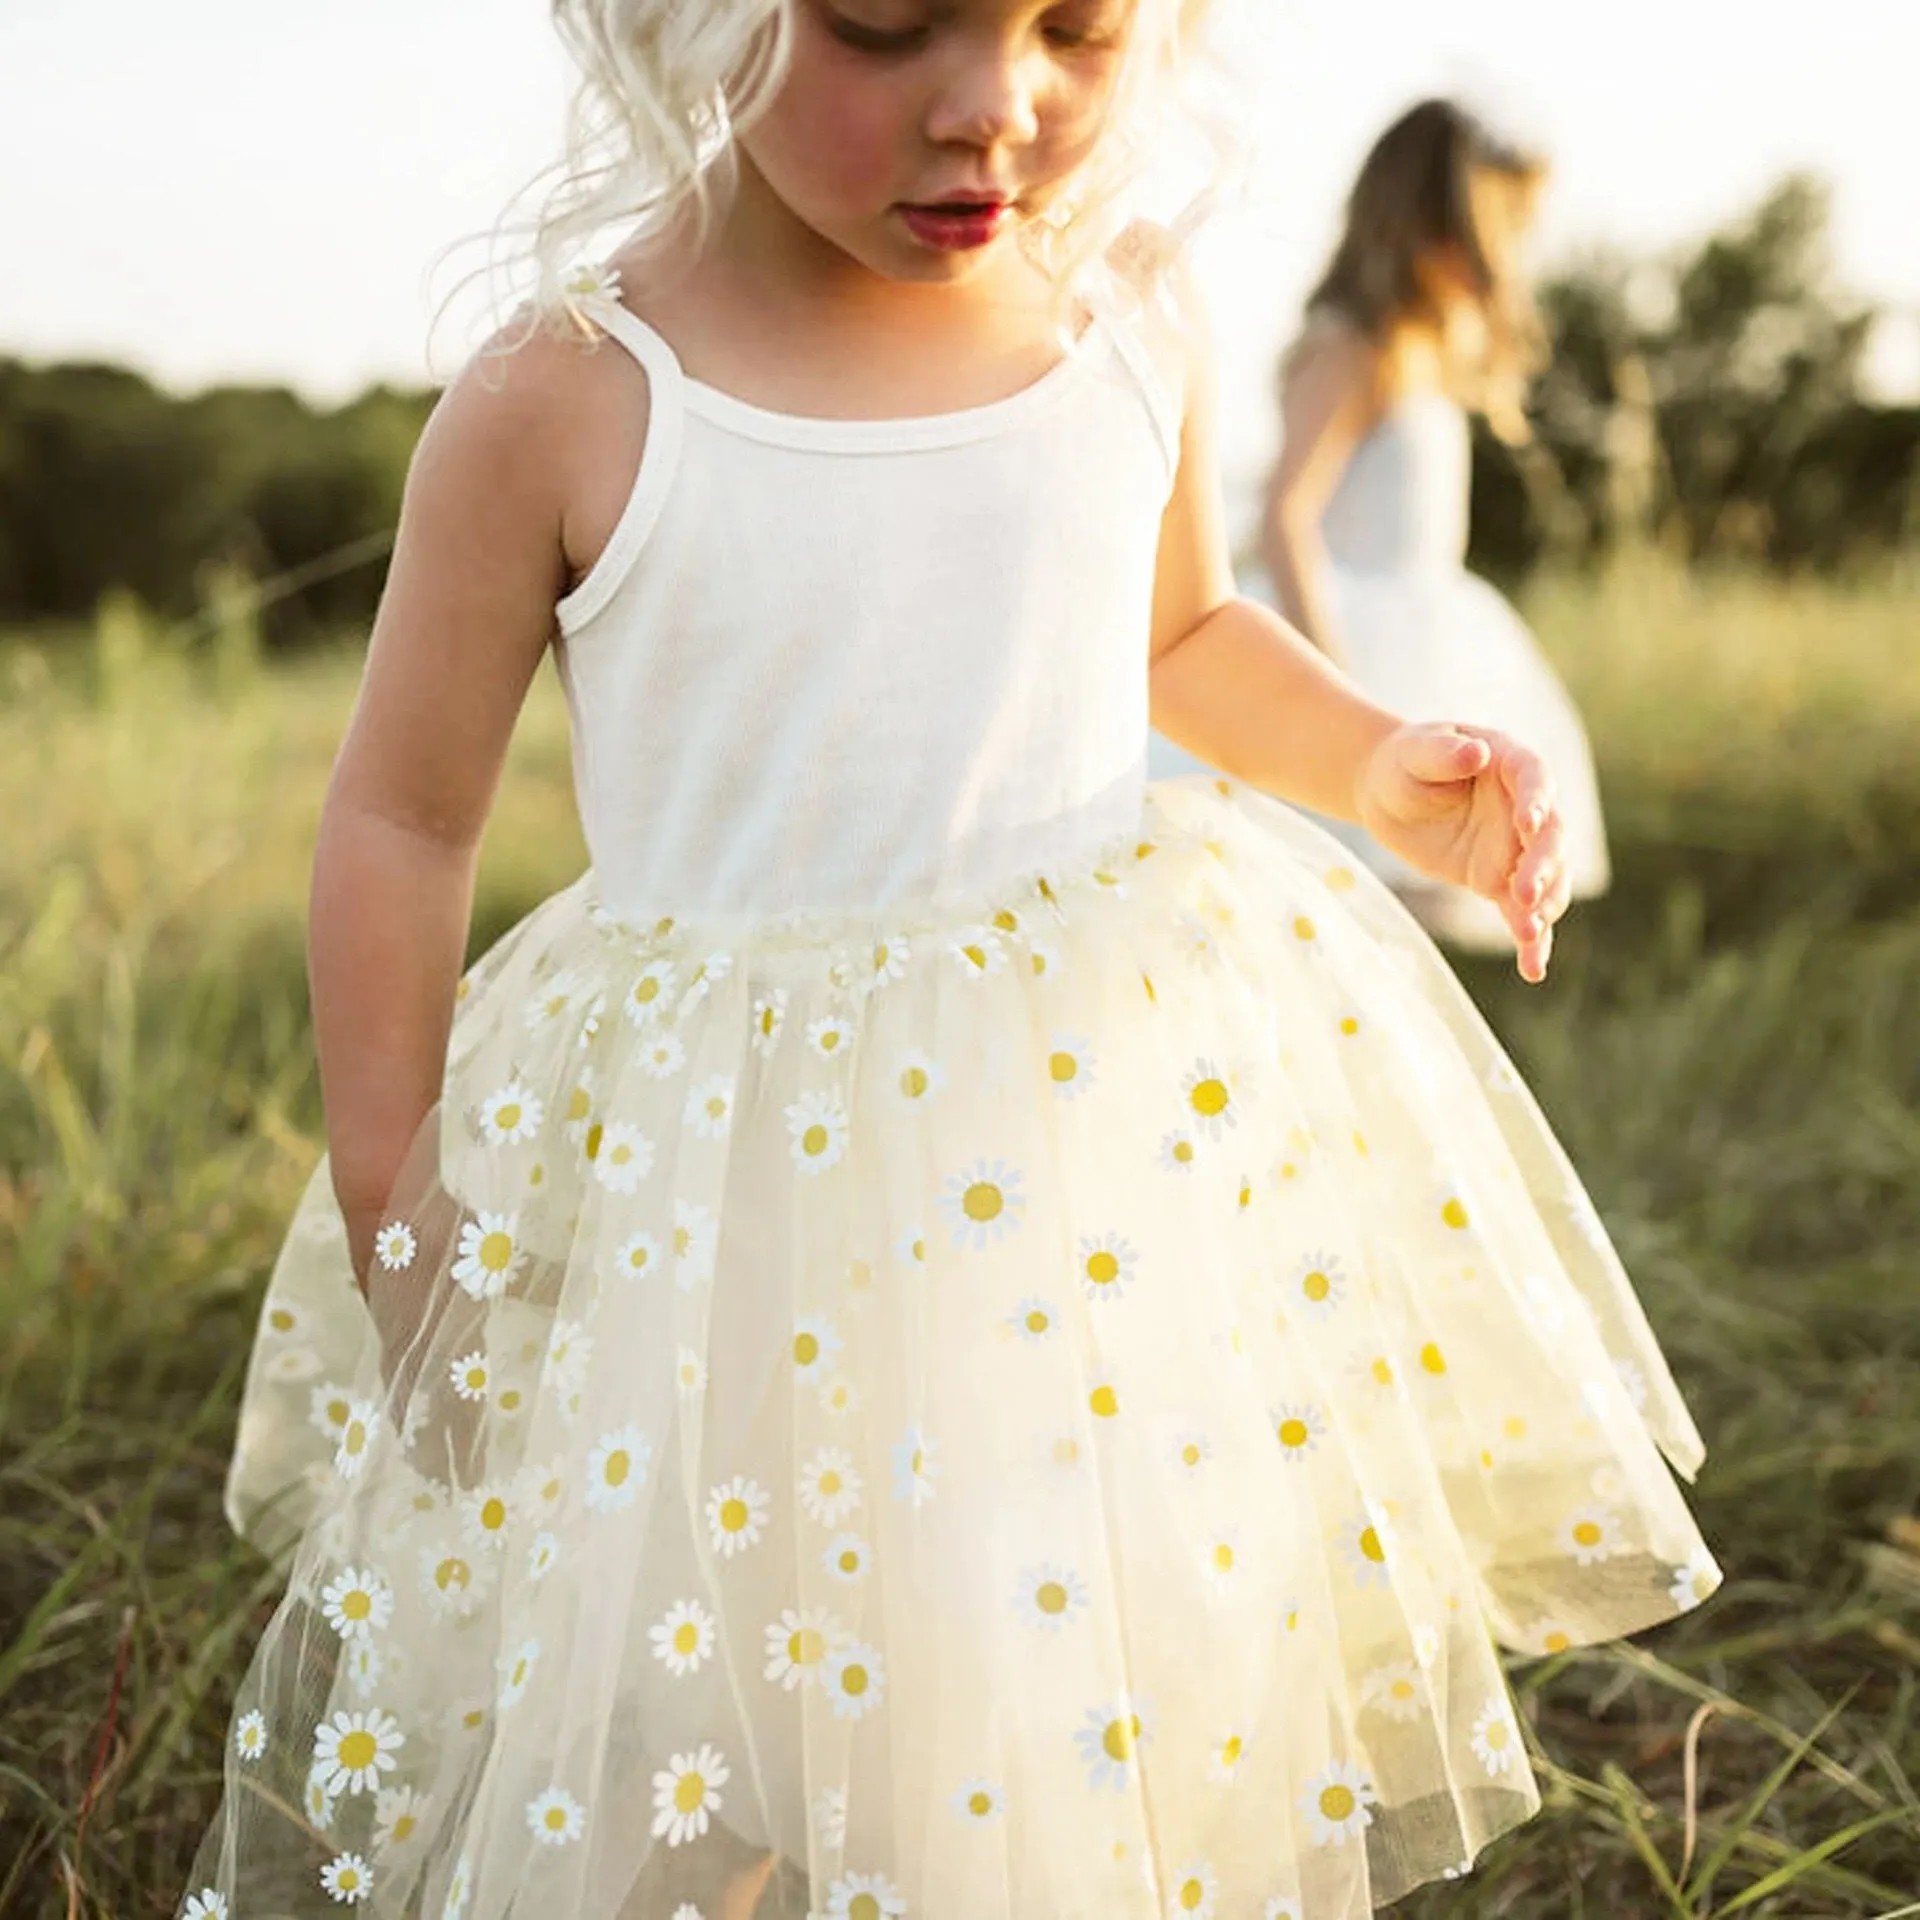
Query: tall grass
1730, 1047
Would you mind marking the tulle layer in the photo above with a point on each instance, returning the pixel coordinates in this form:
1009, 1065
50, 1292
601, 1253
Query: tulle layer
1039, 1413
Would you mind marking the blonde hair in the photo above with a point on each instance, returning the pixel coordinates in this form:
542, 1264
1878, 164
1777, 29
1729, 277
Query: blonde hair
1421, 188
666, 85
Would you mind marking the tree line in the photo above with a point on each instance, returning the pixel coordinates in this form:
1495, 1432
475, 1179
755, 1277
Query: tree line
1711, 401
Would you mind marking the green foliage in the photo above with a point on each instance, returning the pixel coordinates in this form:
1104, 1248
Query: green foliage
1730, 1047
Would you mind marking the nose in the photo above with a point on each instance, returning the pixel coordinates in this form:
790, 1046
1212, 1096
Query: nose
989, 100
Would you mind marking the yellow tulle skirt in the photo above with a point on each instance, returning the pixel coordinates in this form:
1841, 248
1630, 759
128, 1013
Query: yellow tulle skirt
1036, 1412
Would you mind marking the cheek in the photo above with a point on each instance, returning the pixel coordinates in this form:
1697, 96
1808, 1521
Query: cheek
831, 142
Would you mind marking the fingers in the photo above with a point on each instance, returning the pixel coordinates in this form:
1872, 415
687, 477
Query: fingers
1441, 754
1542, 862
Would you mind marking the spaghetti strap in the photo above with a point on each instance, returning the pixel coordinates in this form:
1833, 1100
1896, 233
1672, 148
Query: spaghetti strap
659, 460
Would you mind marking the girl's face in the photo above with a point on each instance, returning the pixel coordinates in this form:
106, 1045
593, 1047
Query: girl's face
917, 135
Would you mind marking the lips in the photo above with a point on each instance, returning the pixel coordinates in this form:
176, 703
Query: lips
958, 225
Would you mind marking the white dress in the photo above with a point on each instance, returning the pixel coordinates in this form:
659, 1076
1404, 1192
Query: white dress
1431, 641
1001, 1335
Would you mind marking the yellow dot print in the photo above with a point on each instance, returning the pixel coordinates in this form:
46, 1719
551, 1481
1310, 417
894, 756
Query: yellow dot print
1432, 1359
1454, 1213
1304, 928
595, 1134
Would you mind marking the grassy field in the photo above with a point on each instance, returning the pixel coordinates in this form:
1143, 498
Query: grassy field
1730, 1047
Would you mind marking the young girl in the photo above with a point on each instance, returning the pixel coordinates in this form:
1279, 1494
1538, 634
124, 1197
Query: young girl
1422, 314
942, 1334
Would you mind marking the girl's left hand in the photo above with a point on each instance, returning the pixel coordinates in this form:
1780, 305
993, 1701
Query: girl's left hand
1475, 809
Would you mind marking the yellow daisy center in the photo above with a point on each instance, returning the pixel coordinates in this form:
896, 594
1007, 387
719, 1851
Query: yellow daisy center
1293, 1433
1223, 1558
496, 1250
849, 1560
1497, 1733
1382, 1370
1317, 1285
1051, 1597
1118, 1740
1370, 1545
507, 1117
358, 1605
864, 1906
1063, 1067
595, 1134
979, 1805
358, 1751
733, 1516
1192, 1895
814, 1141
1587, 1533
1515, 1427
453, 1575
1454, 1213
281, 1320
983, 1202
403, 1827
619, 1465
1336, 1802
1103, 1269
1350, 1025
1183, 1151
914, 1081
1231, 1752
1037, 1321
1557, 1641
1304, 927
1209, 1098
1432, 1359
854, 1681
646, 991
1105, 1402
686, 1637
510, 1400
830, 1484
806, 1349
579, 1103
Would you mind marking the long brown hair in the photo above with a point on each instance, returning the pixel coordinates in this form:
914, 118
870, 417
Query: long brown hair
1424, 187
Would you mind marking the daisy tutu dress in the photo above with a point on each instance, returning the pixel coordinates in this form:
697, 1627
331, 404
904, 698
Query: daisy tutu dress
1431, 641
994, 1334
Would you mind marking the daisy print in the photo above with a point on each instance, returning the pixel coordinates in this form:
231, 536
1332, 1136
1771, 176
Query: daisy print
1071, 1067
683, 1640
979, 952
1033, 1320
710, 1107
363, 1664
624, 1160
838, 1396
914, 1468
662, 1056
352, 1750
649, 994
769, 1016
453, 1581
887, 960
1299, 1429
511, 1116
1109, 1740
569, 1349
395, 1245
616, 1467
1225, 1755
357, 1602
320, 1804
1366, 1543
983, 1203
516, 1672
917, 1077
1196, 1889
293, 1366
556, 1818
865, 1896
208, 1904
695, 1239
830, 1818
979, 1801
1107, 1266
817, 1128
590, 1017
913, 1247
855, 1681
798, 1644
469, 1375
1693, 1582
1496, 1740
686, 1795
829, 1487
737, 1511
1396, 1690
397, 1815
1336, 1804
577, 1115
704, 978
348, 1878
847, 1558
1177, 1152
1320, 1285
356, 1439
550, 1000
250, 1734
1591, 1534
1050, 1596
637, 1257
459, 1888
489, 1255
485, 1515
815, 1342
1222, 1561
830, 1036
1209, 1100
1280, 1908
1042, 960
690, 1372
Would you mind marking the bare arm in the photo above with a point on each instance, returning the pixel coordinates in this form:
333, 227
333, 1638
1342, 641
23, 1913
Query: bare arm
466, 616
1328, 404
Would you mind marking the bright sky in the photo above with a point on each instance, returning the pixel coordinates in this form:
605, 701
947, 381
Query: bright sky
221, 189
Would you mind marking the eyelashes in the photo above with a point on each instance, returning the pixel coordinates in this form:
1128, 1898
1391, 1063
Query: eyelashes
1096, 36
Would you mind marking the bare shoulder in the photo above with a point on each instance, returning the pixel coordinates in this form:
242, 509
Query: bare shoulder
1330, 355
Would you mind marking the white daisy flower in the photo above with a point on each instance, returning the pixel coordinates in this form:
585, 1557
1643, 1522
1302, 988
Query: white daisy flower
356, 1439
1177, 1151
363, 1664
352, 1750
1209, 1098
469, 1375
798, 1645
830, 1035
1336, 1802
1299, 1429
1050, 1596
348, 1878
855, 1681
397, 1816
915, 1467
1496, 1740
489, 1254
980, 1801
710, 1107
888, 959
686, 1794
1349, 1026
1426, 1646
616, 1467
1034, 1319
1109, 1740
293, 1366
454, 1582
689, 1371
1319, 1284
486, 1513
569, 1349
737, 1512
320, 1804
511, 1115
817, 1127
556, 1818
250, 1734
1042, 961
918, 1076
1590, 1534
358, 1603
1368, 1542
1225, 1755
1395, 1689
208, 1904
684, 1639
396, 1245
590, 1019
542, 1554
704, 978
647, 998
1693, 1582
1501, 1077
815, 1342
1196, 1890
769, 1016
830, 1818
687, 1911
979, 952
1222, 1562
1071, 1065
1107, 1266
839, 1395
577, 1114
516, 1672
1280, 1908
625, 1158
459, 1890
1192, 1449
846, 1557
983, 1202
829, 1487
695, 1238
591, 283
865, 1896
549, 1000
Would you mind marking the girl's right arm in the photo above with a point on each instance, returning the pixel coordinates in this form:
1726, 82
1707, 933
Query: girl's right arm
479, 560
1328, 405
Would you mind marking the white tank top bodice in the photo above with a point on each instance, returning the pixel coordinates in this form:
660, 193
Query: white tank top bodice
1401, 505
830, 666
